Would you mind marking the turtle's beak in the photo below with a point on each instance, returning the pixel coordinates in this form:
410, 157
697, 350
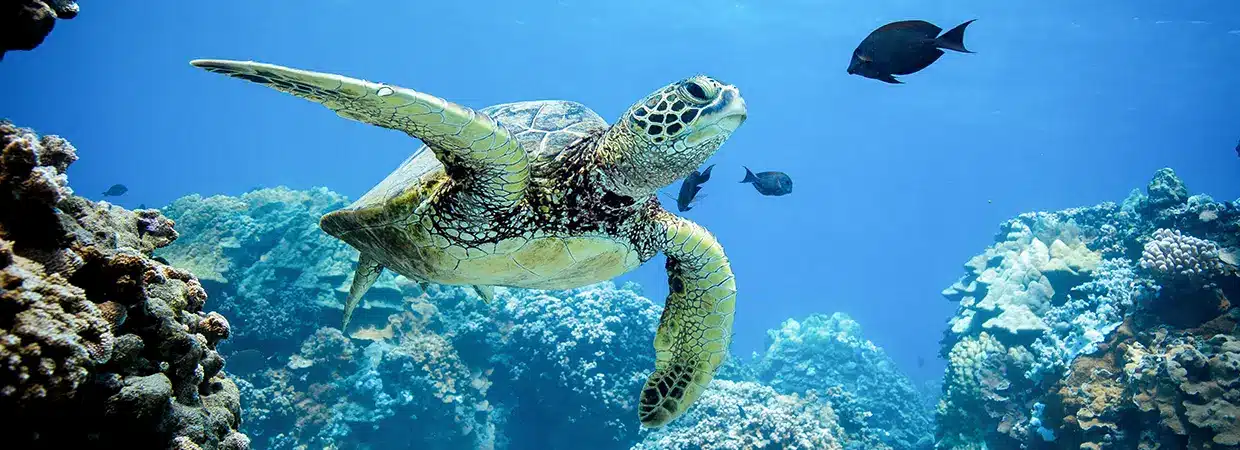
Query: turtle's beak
734, 111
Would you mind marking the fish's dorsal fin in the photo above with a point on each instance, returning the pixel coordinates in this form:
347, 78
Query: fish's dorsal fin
486, 292
916, 26
704, 176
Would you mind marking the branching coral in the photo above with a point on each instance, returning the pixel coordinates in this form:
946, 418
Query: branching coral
100, 345
744, 415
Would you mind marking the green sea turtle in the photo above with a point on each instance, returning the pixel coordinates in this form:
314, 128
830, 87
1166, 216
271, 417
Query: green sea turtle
542, 195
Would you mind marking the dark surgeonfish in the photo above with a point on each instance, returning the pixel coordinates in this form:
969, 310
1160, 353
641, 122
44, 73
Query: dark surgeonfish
1238, 149
690, 188
115, 190
902, 48
769, 183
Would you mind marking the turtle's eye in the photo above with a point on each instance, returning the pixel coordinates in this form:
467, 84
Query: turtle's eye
698, 92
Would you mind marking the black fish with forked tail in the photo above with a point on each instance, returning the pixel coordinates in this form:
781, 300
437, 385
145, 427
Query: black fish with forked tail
769, 183
902, 48
116, 190
690, 187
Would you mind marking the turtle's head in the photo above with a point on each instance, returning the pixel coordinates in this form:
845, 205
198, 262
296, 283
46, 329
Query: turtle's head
669, 134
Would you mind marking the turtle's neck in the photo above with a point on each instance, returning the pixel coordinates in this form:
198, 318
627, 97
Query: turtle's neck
627, 166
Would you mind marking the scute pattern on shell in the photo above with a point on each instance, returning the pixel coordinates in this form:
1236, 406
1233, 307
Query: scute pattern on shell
545, 130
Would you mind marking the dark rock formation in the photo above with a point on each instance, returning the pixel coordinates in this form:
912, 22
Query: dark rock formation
24, 24
100, 345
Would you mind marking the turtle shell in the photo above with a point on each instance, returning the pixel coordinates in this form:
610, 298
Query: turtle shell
544, 128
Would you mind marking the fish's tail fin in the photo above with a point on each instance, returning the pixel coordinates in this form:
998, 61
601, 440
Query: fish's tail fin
953, 39
706, 173
749, 176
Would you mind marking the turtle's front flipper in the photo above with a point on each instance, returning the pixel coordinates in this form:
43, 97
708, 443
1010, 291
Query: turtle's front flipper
368, 270
696, 327
465, 141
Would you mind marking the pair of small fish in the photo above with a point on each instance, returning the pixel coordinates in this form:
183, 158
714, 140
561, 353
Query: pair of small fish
902, 48
766, 183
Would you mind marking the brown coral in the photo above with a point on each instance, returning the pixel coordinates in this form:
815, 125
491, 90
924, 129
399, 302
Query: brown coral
1164, 388
214, 327
96, 346
53, 334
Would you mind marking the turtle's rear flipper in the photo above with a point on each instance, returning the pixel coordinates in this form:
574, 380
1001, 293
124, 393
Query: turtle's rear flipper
486, 292
368, 271
465, 141
696, 327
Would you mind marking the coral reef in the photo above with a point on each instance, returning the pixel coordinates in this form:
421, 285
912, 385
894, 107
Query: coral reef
464, 368
530, 369
269, 268
1095, 349
877, 404
100, 345
746, 415
24, 24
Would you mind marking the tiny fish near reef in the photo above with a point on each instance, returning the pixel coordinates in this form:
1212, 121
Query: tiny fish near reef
553, 199
902, 48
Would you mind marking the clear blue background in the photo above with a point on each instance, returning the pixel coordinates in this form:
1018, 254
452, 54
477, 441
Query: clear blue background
1065, 103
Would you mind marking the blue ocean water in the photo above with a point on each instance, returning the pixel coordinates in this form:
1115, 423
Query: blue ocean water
1064, 104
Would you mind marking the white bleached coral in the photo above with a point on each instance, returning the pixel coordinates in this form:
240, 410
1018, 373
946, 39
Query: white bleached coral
1176, 256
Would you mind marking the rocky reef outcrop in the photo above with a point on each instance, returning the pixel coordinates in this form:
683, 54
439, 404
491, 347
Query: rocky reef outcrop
101, 346
24, 24
878, 406
1103, 327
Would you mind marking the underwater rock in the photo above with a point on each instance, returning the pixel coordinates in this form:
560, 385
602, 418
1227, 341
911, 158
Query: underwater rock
24, 24
877, 404
96, 347
1166, 189
745, 415
1053, 373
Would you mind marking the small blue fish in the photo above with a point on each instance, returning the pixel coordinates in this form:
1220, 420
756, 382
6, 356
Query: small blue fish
902, 48
690, 188
115, 190
769, 183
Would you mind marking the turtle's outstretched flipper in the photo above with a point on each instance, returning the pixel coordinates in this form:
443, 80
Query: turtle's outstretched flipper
696, 327
465, 141
368, 271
